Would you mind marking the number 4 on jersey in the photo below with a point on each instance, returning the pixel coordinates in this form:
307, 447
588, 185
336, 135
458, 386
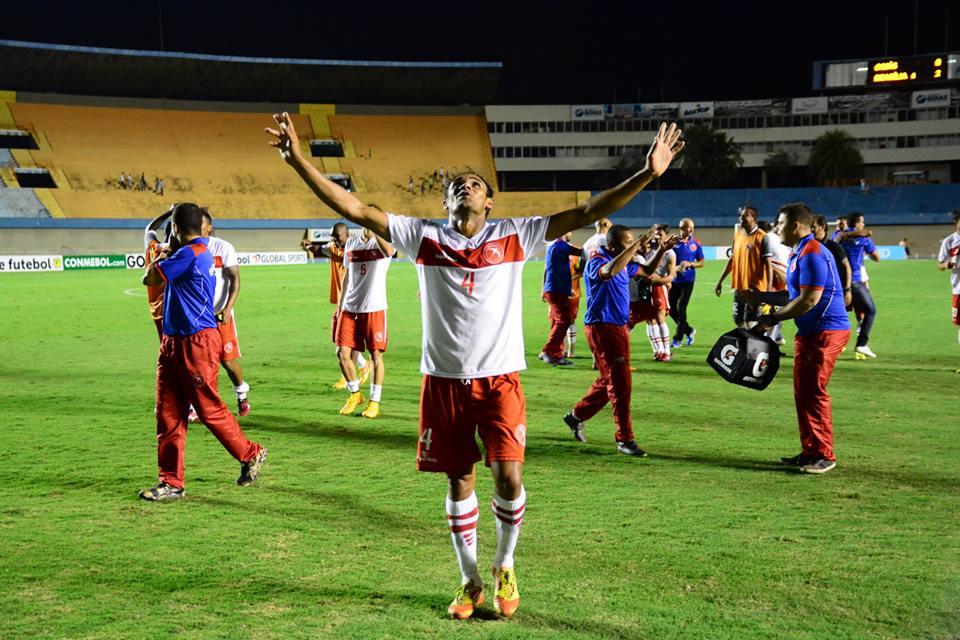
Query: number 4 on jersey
469, 282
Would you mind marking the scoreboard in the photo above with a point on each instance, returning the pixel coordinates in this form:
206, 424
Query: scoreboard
907, 70
927, 69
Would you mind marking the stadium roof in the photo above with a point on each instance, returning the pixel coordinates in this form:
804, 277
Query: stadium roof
41, 67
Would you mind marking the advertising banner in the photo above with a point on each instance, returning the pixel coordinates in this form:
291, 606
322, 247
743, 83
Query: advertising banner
816, 104
319, 235
929, 99
268, 258
23, 264
135, 261
586, 112
696, 110
115, 261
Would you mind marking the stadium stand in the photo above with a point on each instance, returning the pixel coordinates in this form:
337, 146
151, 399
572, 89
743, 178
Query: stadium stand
21, 203
902, 204
221, 159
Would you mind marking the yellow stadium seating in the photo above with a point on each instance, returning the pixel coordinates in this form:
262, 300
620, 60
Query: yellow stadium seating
221, 160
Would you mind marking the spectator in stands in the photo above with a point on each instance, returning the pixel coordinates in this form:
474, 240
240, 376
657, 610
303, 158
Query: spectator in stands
163, 185
129, 181
143, 182
156, 184
410, 186
123, 181
442, 176
864, 187
423, 188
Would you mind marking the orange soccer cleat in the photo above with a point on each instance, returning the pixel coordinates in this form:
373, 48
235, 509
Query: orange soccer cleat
465, 600
506, 598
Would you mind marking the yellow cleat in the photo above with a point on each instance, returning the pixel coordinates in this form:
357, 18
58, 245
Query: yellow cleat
372, 410
506, 598
365, 373
354, 401
465, 600
340, 384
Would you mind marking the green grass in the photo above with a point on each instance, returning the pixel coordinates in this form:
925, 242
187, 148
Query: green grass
341, 537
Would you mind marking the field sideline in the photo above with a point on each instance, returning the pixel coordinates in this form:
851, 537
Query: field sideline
341, 537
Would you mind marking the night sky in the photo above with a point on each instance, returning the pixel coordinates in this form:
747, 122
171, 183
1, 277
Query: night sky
552, 53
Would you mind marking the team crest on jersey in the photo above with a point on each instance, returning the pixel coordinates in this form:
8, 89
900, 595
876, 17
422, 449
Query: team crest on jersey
378, 336
228, 347
693, 246
520, 433
493, 253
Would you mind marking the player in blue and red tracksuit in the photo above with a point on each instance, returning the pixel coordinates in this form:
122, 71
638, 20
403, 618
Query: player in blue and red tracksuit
607, 276
816, 305
557, 289
189, 360
857, 245
689, 253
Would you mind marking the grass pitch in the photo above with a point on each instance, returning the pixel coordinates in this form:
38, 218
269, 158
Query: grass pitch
341, 537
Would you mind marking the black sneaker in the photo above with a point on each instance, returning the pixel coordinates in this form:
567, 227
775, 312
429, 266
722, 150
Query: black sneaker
576, 427
796, 461
161, 492
818, 466
631, 449
561, 362
250, 470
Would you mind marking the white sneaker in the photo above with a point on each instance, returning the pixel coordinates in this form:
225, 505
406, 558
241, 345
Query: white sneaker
865, 352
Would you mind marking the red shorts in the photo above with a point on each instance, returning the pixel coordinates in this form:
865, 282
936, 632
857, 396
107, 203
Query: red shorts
333, 326
956, 309
453, 411
228, 335
574, 307
362, 331
644, 310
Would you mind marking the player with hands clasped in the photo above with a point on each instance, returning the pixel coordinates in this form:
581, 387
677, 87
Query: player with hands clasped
470, 271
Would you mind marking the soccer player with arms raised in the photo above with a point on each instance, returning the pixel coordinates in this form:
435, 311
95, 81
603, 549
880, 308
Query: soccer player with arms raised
470, 272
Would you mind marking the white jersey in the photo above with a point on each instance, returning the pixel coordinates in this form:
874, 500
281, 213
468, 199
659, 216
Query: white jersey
593, 243
779, 252
224, 255
366, 281
470, 292
950, 251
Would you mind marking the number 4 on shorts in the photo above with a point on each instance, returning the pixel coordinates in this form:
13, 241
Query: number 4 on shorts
425, 439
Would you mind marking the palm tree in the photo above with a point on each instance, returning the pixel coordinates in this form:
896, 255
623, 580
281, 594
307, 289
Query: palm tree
710, 159
778, 166
835, 158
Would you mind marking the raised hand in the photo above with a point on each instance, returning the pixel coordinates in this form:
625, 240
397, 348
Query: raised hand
286, 138
671, 242
666, 145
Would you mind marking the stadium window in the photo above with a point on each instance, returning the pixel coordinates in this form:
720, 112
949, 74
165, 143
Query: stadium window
491, 127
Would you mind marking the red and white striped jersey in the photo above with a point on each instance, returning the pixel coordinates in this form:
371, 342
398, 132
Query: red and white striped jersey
366, 281
470, 292
950, 250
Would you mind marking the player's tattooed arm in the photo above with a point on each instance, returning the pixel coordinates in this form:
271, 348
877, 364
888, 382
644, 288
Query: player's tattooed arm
666, 145
333, 195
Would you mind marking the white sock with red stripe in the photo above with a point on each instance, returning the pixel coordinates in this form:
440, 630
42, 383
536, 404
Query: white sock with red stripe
462, 517
654, 339
509, 514
665, 338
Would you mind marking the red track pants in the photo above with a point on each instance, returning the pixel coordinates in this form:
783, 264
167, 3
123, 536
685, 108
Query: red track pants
561, 317
813, 361
610, 345
187, 372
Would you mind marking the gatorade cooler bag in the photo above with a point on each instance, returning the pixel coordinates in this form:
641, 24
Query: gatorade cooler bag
745, 358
